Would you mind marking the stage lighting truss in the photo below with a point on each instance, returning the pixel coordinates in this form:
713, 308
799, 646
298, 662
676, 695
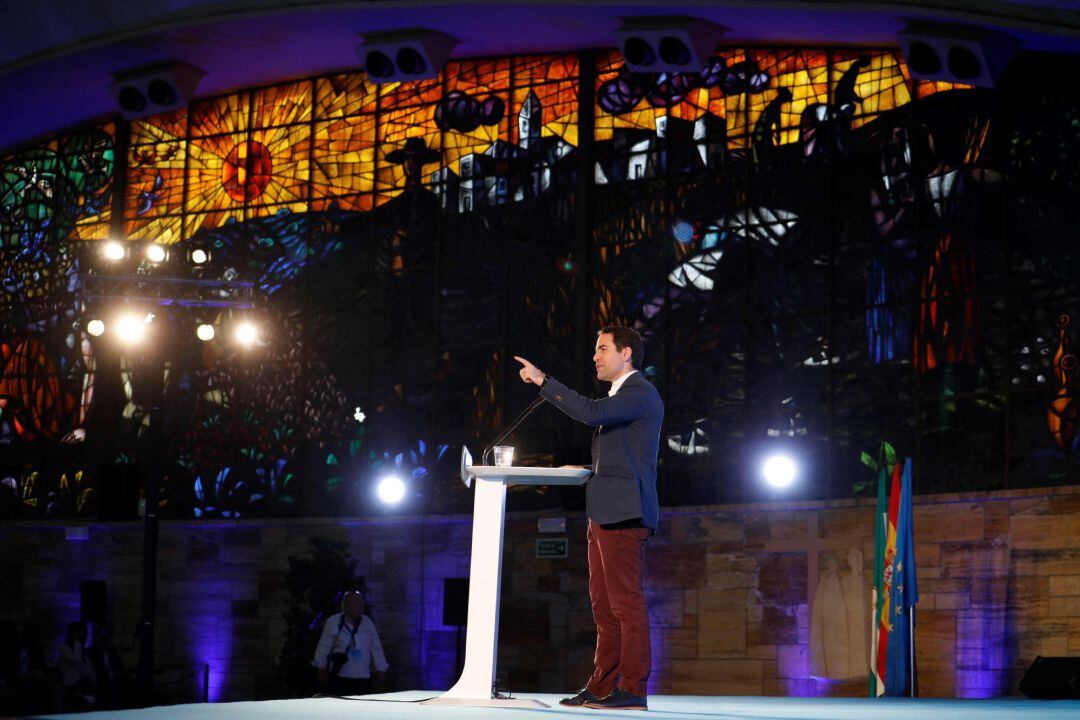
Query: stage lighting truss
667, 44
166, 291
246, 333
125, 254
96, 327
404, 55
114, 251
156, 254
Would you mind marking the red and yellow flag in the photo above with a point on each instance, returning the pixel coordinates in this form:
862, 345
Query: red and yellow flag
884, 620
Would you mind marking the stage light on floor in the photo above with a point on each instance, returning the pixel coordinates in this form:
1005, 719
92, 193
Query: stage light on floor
391, 490
199, 256
131, 328
205, 332
95, 327
113, 251
779, 471
246, 334
156, 253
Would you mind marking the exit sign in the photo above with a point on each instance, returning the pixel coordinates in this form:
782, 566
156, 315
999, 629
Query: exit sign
551, 547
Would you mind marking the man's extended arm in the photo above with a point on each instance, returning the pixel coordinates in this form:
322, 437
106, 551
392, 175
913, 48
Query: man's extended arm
630, 403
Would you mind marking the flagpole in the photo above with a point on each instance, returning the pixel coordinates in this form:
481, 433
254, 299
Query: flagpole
911, 631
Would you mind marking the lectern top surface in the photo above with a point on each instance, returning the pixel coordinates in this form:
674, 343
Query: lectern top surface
531, 475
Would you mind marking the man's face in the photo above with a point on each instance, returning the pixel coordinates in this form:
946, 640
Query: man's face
611, 363
354, 607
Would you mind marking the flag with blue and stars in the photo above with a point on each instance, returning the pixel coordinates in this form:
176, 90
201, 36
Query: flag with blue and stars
899, 670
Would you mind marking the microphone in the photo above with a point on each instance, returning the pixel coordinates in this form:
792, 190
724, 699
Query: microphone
513, 426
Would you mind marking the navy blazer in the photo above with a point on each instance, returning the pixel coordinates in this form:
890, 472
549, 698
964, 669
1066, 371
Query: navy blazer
624, 448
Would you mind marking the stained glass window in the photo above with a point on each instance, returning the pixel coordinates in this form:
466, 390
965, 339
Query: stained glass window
808, 238
343, 161
157, 160
346, 95
58, 190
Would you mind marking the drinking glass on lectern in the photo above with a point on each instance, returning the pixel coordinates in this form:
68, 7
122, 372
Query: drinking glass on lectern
504, 455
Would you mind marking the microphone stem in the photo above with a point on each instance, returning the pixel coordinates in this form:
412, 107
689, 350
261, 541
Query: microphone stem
506, 433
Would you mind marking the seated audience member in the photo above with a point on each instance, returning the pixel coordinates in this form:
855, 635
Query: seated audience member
112, 679
38, 688
76, 674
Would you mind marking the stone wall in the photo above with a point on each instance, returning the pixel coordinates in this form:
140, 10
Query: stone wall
999, 576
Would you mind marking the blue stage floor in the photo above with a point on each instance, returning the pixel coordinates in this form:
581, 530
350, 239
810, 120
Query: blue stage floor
404, 706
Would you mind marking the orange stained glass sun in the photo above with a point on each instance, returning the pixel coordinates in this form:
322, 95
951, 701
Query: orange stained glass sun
247, 170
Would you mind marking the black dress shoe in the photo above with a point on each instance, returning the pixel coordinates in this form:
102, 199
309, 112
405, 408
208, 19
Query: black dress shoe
583, 696
619, 700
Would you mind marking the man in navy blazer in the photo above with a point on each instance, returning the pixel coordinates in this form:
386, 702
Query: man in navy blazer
621, 504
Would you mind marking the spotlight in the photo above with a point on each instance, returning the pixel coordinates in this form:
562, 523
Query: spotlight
391, 490
205, 332
402, 55
95, 327
676, 43
156, 253
246, 334
131, 328
114, 251
956, 53
779, 471
199, 256
154, 88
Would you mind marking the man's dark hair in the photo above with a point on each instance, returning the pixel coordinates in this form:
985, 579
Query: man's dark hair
625, 337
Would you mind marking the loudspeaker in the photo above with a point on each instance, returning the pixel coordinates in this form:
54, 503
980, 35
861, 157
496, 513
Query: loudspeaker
455, 608
155, 88
92, 601
403, 55
667, 43
1052, 678
956, 53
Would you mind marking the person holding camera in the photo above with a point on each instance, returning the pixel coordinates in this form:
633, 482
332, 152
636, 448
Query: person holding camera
346, 649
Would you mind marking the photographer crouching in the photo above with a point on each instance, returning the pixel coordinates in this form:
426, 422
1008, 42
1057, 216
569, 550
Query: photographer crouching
348, 645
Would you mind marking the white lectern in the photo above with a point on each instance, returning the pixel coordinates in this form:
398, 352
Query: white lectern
475, 687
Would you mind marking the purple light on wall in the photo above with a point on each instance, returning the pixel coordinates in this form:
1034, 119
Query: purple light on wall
208, 627
438, 642
984, 634
984, 655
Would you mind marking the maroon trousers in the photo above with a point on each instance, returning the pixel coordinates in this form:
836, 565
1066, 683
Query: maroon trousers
617, 591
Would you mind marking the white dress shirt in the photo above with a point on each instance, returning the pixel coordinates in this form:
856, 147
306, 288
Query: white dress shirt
618, 383
361, 644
